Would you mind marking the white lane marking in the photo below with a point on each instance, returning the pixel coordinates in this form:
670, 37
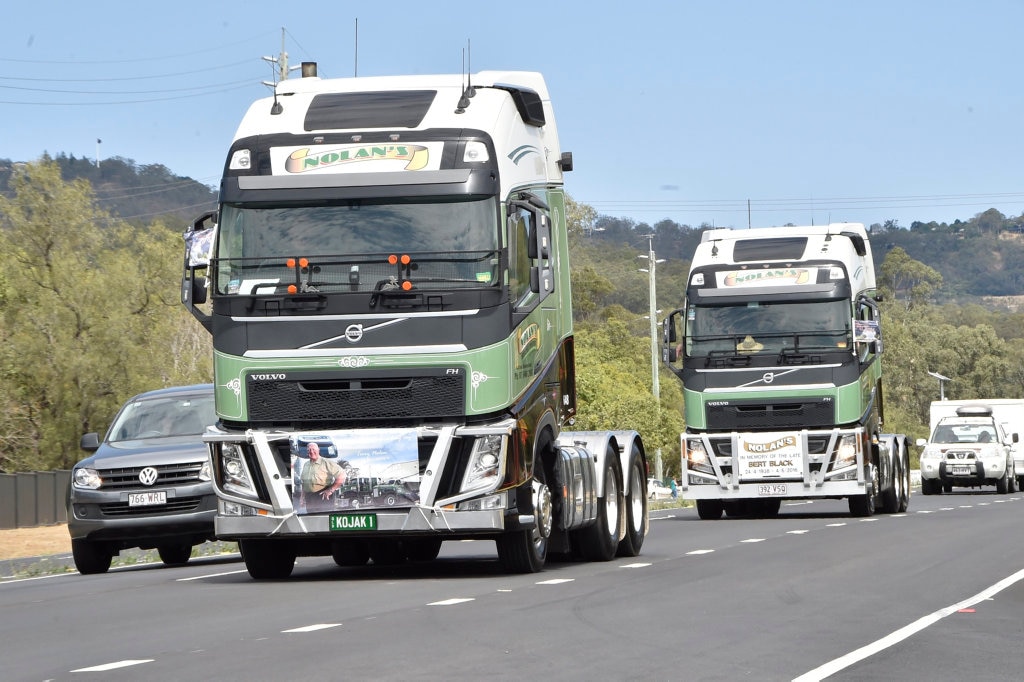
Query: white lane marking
946, 509
450, 602
556, 581
835, 525
869, 520
797, 532
925, 511
834, 666
984, 504
966, 506
700, 551
797, 504
314, 628
113, 666
636, 565
209, 575
753, 540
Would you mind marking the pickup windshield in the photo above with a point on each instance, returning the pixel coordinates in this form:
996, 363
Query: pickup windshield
357, 245
755, 327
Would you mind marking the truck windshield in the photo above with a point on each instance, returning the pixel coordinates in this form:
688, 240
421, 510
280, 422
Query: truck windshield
356, 245
754, 327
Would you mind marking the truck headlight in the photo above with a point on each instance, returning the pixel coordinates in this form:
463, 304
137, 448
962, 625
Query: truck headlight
484, 469
697, 457
846, 452
87, 478
234, 472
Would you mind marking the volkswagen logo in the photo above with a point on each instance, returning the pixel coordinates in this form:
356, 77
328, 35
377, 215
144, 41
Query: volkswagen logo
148, 476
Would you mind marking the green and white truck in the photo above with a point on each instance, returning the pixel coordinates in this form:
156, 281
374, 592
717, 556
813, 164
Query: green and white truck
387, 275
779, 348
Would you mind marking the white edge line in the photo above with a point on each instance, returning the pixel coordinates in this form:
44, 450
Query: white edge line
843, 662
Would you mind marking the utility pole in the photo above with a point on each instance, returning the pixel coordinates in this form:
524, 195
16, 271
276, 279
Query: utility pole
282, 63
652, 263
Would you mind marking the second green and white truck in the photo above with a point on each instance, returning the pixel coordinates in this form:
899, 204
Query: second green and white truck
779, 346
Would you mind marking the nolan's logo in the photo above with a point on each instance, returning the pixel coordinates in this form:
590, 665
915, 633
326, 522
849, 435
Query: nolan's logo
147, 476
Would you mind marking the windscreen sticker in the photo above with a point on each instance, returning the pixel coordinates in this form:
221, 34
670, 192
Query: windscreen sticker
775, 277
357, 158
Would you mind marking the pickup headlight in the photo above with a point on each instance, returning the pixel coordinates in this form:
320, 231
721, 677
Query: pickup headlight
87, 478
931, 452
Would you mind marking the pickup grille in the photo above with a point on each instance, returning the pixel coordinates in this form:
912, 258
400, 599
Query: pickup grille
127, 478
175, 505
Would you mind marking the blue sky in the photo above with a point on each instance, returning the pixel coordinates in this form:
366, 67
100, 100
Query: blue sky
812, 111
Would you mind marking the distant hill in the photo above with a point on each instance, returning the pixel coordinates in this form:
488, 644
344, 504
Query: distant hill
981, 260
136, 194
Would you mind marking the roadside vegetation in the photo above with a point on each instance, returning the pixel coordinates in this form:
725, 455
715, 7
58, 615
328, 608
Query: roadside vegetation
90, 313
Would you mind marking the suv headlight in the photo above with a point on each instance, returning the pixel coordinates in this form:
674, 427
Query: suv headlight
87, 478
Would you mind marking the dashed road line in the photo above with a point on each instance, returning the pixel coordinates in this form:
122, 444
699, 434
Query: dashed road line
113, 666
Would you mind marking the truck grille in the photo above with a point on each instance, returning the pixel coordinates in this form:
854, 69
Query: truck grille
781, 414
431, 393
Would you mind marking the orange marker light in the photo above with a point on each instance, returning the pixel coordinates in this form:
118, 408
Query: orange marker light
406, 285
304, 262
405, 259
290, 262
292, 289
392, 259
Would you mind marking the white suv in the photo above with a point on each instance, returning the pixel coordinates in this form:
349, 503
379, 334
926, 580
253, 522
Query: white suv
968, 450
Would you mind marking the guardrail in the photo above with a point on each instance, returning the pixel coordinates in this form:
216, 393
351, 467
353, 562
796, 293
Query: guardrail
35, 498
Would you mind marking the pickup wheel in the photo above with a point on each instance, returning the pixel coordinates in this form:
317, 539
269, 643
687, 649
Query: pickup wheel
526, 550
710, 510
599, 541
1011, 479
637, 520
1003, 484
268, 559
91, 557
175, 555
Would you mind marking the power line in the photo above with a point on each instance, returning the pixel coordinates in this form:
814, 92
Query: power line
125, 78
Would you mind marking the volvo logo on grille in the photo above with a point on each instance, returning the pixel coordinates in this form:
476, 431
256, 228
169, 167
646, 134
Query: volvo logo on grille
147, 476
354, 333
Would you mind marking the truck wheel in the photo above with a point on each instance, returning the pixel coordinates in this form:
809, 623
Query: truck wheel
175, 555
599, 541
709, 510
91, 557
636, 507
891, 495
905, 487
268, 559
769, 509
386, 552
863, 505
421, 549
350, 552
526, 551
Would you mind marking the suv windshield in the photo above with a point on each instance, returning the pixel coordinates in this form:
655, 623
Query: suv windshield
164, 417
356, 245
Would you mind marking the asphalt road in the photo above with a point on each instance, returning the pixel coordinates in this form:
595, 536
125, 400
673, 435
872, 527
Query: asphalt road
934, 594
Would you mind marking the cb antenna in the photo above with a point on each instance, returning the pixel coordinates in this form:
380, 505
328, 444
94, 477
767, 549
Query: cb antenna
468, 91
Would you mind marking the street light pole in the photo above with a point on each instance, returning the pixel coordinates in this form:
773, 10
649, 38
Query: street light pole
653, 304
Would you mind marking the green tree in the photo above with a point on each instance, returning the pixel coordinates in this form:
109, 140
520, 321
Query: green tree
901, 274
90, 313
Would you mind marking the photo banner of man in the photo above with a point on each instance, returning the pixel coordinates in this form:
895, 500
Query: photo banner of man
354, 469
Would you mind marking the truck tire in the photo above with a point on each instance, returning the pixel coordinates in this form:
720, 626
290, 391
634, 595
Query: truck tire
175, 555
91, 557
710, 510
268, 559
350, 552
862, 505
526, 550
600, 540
636, 507
421, 549
905, 497
894, 492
